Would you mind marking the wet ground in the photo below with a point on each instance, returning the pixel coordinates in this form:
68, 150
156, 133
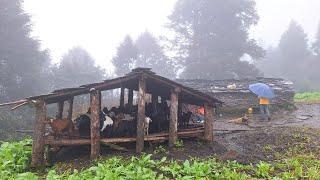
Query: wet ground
287, 132
265, 140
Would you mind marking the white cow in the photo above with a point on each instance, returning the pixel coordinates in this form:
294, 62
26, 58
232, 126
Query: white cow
107, 122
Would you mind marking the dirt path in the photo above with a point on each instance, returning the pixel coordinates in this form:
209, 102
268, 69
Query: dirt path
265, 140
306, 115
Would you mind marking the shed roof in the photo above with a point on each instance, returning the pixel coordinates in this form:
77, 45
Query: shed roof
155, 84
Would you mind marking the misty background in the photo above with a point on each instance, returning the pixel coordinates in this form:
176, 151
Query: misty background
47, 45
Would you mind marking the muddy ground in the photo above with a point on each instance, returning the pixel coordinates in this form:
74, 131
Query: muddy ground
287, 133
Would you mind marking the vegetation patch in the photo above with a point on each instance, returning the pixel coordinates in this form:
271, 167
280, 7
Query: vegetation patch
15, 158
309, 97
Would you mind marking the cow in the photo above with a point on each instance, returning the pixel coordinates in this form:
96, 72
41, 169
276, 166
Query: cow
147, 121
83, 123
59, 126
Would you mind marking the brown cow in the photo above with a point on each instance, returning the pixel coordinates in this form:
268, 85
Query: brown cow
59, 126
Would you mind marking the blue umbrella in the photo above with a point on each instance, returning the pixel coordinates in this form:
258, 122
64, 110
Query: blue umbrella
262, 90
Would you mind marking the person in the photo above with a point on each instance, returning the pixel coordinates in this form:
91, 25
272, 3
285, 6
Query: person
200, 114
264, 108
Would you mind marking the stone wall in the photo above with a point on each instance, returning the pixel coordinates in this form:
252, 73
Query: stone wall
241, 98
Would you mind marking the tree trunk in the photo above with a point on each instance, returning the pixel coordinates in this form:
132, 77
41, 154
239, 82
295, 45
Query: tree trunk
60, 105
208, 122
173, 126
38, 135
70, 110
141, 115
94, 123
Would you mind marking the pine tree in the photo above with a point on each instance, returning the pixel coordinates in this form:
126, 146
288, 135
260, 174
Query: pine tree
316, 44
77, 68
212, 36
150, 54
22, 61
294, 49
295, 55
125, 57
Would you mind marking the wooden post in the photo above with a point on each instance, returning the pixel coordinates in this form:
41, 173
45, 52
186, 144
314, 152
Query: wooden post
70, 110
100, 100
130, 99
154, 101
208, 122
141, 115
60, 105
95, 124
173, 126
37, 158
122, 98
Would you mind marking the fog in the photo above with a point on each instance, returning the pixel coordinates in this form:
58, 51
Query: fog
48, 45
100, 26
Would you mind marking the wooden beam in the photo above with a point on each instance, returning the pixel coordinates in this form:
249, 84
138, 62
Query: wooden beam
173, 124
19, 105
208, 122
152, 137
130, 99
15, 102
141, 114
107, 85
70, 110
67, 142
122, 97
60, 105
37, 158
94, 123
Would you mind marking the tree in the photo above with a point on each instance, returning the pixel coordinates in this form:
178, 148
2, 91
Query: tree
313, 65
316, 44
295, 56
125, 57
212, 36
150, 54
76, 68
269, 65
22, 62
294, 51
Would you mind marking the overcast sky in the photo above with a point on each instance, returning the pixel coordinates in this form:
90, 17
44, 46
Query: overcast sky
99, 25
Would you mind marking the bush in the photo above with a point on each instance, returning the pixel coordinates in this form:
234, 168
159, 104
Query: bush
307, 97
14, 158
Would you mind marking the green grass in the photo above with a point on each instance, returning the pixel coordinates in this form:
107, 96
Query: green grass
307, 97
15, 156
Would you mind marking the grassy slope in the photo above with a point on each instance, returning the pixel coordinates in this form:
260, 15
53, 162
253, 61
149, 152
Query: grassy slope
14, 159
309, 97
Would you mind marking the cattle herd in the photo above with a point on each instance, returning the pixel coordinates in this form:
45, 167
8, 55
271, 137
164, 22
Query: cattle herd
120, 121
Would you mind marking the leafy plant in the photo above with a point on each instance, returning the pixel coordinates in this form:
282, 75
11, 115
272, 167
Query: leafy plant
14, 157
178, 143
159, 149
263, 169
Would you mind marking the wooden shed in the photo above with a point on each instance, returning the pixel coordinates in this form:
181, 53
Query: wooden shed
142, 80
